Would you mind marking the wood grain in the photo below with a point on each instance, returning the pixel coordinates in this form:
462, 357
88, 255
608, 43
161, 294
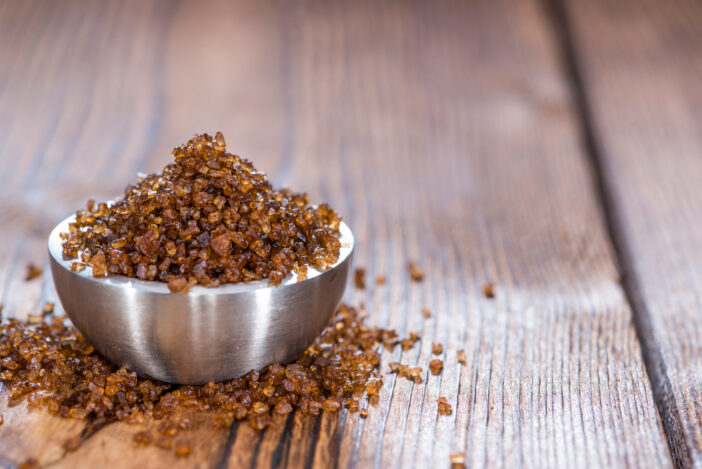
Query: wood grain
444, 133
641, 66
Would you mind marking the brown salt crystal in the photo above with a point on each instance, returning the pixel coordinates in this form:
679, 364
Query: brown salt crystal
426, 312
404, 371
178, 285
489, 290
78, 413
182, 449
415, 272
458, 460
258, 422
86, 349
111, 390
283, 407
373, 386
331, 405
77, 266
35, 318
435, 366
32, 272
380, 280
461, 356
98, 264
360, 278
30, 463
167, 427
259, 408
409, 342
443, 406
72, 443
437, 349
224, 420
352, 405
221, 245
240, 413
143, 438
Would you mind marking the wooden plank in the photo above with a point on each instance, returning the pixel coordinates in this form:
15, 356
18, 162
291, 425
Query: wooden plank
443, 132
69, 74
641, 64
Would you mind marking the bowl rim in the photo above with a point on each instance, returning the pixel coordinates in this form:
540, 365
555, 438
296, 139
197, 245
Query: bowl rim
121, 281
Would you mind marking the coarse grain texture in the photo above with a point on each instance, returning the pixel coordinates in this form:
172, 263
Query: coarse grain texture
641, 78
50, 365
444, 133
207, 218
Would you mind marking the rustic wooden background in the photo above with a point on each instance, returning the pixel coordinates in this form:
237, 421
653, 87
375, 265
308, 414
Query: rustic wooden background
553, 148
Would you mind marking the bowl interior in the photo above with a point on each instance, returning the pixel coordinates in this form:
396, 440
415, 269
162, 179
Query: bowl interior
56, 251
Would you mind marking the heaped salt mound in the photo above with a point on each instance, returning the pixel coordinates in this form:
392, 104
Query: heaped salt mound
208, 218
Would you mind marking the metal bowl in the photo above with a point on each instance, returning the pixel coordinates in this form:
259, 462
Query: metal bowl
207, 334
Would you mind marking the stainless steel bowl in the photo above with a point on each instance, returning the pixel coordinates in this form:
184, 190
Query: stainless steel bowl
206, 334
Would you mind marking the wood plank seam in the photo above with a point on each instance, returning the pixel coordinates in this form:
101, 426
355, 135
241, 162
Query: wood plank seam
653, 360
227, 450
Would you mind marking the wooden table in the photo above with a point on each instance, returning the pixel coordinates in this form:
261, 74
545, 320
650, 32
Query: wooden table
552, 148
